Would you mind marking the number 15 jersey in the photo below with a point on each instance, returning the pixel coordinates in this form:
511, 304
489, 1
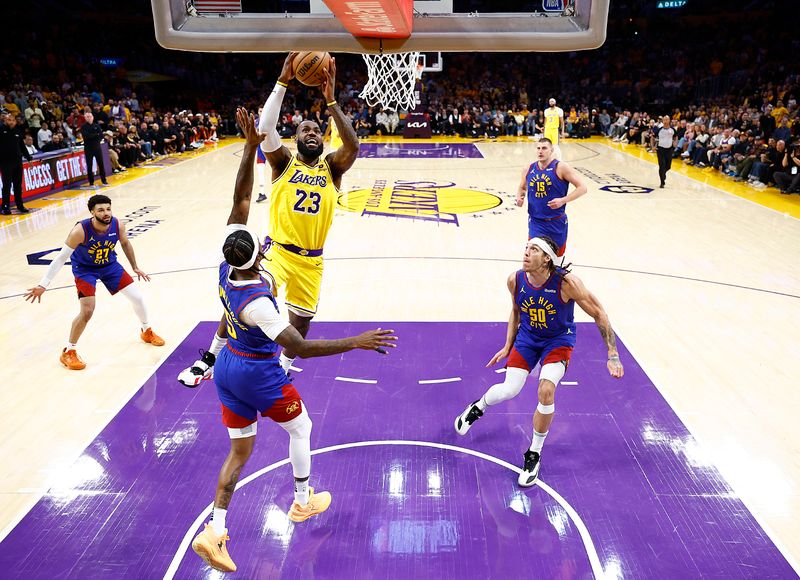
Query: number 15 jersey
302, 205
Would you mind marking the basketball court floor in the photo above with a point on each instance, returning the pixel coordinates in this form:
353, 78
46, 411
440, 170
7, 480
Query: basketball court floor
685, 468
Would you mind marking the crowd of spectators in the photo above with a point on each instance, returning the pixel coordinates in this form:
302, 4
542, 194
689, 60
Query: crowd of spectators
135, 130
718, 70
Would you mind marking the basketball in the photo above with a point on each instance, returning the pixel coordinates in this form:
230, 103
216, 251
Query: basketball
309, 67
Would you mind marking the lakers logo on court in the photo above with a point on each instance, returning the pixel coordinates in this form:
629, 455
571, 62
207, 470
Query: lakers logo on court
421, 200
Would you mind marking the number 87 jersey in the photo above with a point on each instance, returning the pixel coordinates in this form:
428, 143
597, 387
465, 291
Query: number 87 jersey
302, 204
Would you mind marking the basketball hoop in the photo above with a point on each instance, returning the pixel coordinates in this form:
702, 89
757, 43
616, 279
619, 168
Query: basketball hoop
391, 80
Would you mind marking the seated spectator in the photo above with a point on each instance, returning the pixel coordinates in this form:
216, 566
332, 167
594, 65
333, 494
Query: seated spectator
382, 122
29, 146
44, 135
113, 152
788, 178
56, 144
394, 121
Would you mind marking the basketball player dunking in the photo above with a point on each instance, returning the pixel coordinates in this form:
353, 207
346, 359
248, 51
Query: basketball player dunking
541, 330
305, 187
249, 379
545, 183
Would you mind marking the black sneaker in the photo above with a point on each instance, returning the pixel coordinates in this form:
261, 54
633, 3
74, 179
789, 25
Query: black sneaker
465, 420
5, 211
530, 469
261, 197
201, 370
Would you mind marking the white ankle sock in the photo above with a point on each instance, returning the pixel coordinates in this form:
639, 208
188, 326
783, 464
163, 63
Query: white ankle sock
481, 404
71, 346
301, 491
538, 441
145, 326
285, 362
218, 521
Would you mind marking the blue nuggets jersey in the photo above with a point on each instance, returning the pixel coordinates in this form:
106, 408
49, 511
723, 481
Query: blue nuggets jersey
97, 250
542, 312
243, 338
543, 186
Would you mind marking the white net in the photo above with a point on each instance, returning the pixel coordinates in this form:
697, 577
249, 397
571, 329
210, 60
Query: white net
391, 80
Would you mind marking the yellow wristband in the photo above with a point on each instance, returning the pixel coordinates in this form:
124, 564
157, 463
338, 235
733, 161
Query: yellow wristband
332, 103
281, 84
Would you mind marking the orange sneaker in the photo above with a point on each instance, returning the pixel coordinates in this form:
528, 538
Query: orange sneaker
317, 503
211, 548
71, 360
152, 338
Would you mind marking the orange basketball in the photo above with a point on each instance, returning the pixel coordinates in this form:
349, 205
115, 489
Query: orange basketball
309, 67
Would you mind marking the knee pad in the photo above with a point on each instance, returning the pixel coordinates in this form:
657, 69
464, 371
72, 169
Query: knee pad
553, 372
299, 427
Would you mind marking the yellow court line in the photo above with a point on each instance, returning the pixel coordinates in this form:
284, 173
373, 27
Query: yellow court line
770, 197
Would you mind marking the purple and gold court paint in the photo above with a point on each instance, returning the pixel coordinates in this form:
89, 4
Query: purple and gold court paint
419, 150
619, 496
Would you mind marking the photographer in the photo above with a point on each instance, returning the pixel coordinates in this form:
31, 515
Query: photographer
788, 180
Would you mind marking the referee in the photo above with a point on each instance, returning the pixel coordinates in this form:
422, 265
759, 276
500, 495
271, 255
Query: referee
665, 141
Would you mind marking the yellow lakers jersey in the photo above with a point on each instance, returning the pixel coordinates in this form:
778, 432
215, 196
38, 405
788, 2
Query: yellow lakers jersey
551, 117
302, 204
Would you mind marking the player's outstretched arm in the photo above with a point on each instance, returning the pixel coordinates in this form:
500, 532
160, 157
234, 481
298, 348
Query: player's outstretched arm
75, 238
277, 154
573, 288
376, 340
513, 323
243, 190
343, 158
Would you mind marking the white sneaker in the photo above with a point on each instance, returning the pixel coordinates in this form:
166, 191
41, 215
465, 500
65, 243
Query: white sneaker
201, 370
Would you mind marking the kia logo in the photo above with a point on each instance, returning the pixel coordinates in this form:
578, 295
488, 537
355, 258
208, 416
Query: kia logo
418, 124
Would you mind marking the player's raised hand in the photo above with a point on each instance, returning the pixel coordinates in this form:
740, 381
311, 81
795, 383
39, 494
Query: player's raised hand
376, 340
287, 72
247, 123
329, 84
500, 355
34, 294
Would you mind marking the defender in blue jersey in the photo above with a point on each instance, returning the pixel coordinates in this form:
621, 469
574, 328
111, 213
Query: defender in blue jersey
544, 184
249, 377
541, 331
91, 247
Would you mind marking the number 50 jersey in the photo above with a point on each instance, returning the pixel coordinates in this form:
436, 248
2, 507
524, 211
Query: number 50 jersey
302, 204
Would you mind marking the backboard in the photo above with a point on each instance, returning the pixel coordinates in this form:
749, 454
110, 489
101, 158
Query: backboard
438, 26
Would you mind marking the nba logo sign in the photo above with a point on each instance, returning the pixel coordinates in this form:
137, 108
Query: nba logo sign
553, 5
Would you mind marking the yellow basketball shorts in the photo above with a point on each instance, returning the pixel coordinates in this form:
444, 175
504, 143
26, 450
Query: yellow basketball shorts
301, 276
552, 134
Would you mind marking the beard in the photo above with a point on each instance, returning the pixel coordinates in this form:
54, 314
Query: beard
306, 151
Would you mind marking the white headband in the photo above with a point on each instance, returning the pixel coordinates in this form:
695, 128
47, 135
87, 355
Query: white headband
249, 263
545, 247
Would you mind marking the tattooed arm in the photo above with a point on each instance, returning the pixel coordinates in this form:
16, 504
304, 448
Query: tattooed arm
573, 289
